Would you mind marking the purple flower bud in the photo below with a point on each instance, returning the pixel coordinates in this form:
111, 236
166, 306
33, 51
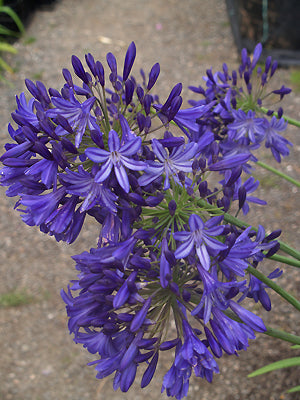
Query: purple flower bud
172, 207
256, 55
249, 87
147, 124
169, 344
268, 64
129, 60
118, 86
246, 77
140, 94
174, 107
143, 76
171, 141
68, 145
153, 201
175, 289
137, 199
273, 235
225, 69
140, 316
242, 193
100, 72
115, 98
234, 78
54, 92
213, 344
244, 56
264, 78
32, 88
273, 250
147, 103
273, 68
97, 138
68, 77
91, 63
282, 91
42, 150
174, 93
43, 92
63, 122
16, 151
124, 317
141, 119
124, 292
79, 70
18, 162
203, 189
148, 374
181, 177
210, 76
153, 75
250, 319
199, 89
130, 353
112, 63
186, 295
230, 162
129, 89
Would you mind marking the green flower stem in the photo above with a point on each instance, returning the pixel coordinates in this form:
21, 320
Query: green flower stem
290, 120
287, 296
282, 335
241, 224
278, 173
285, 260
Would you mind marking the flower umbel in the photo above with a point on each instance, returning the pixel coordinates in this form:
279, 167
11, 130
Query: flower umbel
169, 248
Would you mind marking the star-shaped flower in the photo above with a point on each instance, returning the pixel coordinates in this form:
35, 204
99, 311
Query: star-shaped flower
179, 159
200, 237
118, 157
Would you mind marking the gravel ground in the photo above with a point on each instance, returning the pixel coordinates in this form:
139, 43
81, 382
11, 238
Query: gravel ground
39, 361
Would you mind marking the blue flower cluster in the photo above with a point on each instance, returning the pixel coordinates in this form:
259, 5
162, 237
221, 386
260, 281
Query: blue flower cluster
234, 104
166, 253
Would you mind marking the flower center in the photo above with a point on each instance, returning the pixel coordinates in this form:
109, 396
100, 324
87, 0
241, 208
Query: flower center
115, 157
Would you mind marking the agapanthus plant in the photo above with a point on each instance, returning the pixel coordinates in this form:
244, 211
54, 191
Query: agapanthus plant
169, 248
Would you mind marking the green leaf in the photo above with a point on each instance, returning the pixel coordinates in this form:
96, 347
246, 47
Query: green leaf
4, 65
7, 32
7, 47
294, 389
14, 17
286, 363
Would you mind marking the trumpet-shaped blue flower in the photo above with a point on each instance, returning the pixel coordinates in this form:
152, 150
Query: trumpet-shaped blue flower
277, 143
246, 125
170, 164
214, 294
77, 114
82, 183
200, 237
118, 157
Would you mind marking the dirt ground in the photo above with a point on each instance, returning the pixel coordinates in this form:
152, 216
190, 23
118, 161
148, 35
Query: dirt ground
39, 360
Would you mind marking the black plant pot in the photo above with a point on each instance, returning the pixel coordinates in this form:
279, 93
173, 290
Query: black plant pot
274, 23
42, 3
